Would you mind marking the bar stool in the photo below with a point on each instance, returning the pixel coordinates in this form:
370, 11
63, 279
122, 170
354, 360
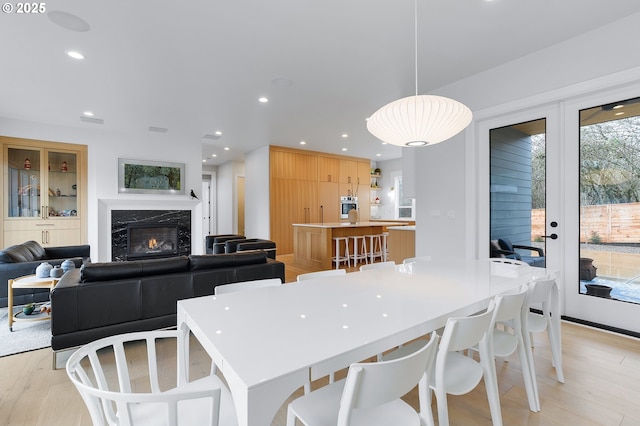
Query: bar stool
385, 249
375, 247
338, 258
363, 254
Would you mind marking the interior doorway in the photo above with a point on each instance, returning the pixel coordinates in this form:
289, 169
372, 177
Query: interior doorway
240, 186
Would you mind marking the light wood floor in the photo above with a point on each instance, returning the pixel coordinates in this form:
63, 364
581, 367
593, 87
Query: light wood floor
602, 387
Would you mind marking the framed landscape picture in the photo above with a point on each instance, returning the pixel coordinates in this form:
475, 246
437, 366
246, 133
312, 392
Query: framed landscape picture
150, 177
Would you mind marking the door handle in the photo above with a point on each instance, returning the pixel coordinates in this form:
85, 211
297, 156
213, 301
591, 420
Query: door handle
552, 236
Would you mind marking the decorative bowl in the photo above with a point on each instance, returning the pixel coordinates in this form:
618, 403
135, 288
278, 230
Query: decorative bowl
28, 309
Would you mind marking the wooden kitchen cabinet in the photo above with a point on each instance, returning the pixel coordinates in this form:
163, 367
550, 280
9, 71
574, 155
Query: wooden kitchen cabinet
328, 169
364, 173
328, 193
306, 199
305, 188
291, 165
282, 212
349, 172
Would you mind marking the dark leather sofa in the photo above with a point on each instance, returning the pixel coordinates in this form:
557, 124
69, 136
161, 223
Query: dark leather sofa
105, 299
23, 259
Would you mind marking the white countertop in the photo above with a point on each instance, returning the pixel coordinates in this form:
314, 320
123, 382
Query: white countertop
346, 224
402, 228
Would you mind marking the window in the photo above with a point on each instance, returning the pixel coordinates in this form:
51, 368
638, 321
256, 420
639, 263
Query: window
404, 207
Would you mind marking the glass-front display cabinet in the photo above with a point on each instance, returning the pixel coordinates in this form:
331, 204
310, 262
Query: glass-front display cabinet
42, 201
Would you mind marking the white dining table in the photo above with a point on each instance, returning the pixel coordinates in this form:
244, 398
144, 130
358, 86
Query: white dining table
268, 342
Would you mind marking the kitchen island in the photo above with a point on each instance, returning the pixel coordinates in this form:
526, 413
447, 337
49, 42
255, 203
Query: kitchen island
401, 242
313, 244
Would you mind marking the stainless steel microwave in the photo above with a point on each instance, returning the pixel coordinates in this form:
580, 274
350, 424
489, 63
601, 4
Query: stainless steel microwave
347, 203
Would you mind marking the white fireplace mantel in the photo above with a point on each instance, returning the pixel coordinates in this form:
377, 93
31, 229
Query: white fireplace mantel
105, 206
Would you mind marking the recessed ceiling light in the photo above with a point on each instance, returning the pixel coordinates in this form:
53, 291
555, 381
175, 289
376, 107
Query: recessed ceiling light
87, 114
263, 100
344, 149
226, 148
214, 155
384, 143
303, 143
75, 55
204, 160
378, 155
344, 135
218, 133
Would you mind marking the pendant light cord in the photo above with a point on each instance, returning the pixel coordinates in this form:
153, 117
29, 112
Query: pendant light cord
415, 41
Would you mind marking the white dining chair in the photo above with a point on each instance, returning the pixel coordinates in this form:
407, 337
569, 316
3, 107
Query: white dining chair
505, 260
510, 333
457, 374
246, 285
540, 298
380, 265
453, 372
320, 274
110, 389
370, 395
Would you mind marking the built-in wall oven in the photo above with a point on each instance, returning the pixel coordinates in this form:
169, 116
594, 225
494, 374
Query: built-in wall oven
347, 203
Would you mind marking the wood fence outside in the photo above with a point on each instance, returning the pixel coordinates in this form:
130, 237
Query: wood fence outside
611, 223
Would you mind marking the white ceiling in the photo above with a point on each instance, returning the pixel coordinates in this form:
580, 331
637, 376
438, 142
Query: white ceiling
195, 67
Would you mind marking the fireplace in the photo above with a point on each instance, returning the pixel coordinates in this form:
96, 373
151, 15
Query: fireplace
151, 240
130, 240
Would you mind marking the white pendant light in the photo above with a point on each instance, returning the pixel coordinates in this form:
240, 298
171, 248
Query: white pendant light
419, 120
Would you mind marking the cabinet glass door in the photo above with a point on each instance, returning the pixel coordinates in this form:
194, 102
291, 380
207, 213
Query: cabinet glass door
62, 184
23, 183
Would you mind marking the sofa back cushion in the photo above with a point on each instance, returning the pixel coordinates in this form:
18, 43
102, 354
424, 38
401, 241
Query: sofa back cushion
36, 249
227, 260
19, 253
25, 252
137, 268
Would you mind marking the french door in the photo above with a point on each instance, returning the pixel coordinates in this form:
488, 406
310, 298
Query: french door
563, 179
602, 146
520, 192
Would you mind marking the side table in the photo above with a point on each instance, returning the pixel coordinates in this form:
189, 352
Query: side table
28, 281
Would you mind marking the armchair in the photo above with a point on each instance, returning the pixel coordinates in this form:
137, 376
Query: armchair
214, 244
503, 247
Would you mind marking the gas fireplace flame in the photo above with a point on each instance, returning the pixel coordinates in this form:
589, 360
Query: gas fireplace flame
153, 243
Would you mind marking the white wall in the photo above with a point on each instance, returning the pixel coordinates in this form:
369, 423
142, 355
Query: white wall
257, 210
104, 149
227, 203
446, 173
387, 205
